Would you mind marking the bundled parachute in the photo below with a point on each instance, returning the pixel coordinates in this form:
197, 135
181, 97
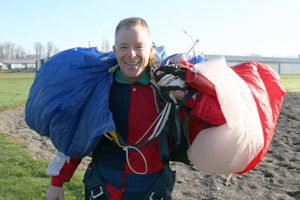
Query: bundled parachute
250, 96
239, 107
68, 101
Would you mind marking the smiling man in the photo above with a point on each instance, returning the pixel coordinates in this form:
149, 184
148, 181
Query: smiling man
132, 166
140, 172
133, 48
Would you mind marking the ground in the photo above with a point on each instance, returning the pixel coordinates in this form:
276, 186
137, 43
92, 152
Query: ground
276, 177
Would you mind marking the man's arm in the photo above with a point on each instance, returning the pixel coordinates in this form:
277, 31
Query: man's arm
61, 169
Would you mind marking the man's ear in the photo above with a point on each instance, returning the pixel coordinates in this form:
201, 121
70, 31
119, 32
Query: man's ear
151, 47
114, 49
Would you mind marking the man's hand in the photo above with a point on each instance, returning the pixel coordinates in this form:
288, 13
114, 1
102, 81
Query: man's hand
178, 94
55, 193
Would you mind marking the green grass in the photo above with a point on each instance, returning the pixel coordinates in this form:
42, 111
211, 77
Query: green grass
14, 88
291, 83
24, 178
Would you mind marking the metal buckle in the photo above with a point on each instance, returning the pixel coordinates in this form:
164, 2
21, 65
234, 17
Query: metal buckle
99, 191
155, 197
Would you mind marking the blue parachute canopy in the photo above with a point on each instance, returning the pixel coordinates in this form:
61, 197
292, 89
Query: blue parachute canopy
69, 100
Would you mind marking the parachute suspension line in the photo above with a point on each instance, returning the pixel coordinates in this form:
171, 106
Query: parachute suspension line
157, 118
188, 36
162, 119
165, 119
128, 162
165, 114
194, 44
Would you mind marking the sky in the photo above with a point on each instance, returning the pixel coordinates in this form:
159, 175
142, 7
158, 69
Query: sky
224, 27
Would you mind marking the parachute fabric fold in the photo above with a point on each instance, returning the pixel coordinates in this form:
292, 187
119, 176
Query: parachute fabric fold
238, 145
68, 101
268, 93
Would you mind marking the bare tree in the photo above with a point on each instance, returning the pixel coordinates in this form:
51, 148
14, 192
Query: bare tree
20, 52
39, 50
105, 47
50, 49
9, 49
2, 54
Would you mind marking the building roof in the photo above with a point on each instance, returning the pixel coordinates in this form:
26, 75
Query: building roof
256, 58
17, 61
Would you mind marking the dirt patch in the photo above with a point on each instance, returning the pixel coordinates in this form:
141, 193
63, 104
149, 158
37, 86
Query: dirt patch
40, 147
276, 177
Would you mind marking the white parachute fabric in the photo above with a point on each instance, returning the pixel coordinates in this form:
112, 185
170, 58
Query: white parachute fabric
230, 147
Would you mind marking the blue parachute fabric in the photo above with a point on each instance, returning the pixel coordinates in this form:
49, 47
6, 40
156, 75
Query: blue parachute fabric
175, 58
196, 59
69, 100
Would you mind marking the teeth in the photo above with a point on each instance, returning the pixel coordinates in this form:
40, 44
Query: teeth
132, 63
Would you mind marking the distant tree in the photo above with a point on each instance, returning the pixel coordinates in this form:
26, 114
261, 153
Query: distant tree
39, 50
50, 49
20, 52
2, 51
105, 47
9, 49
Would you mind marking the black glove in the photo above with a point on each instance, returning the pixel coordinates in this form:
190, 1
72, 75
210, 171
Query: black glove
177, 70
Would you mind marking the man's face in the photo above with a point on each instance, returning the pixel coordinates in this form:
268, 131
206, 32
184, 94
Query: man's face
133, 49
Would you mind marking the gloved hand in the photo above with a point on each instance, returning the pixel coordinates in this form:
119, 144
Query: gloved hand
178, 70
171, 79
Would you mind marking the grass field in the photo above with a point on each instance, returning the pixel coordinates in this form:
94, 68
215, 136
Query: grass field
24, 178
291, 83
14, 88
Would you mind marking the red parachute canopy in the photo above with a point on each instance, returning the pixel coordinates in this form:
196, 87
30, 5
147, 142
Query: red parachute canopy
268, 93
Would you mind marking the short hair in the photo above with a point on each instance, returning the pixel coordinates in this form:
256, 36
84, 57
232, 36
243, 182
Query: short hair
131, 22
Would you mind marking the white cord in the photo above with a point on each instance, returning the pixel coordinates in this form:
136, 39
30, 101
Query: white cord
128, 163
165, 110
165, 119
162, 120
167, 114
157, 118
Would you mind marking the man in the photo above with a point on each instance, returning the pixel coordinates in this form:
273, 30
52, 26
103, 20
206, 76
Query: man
141, 169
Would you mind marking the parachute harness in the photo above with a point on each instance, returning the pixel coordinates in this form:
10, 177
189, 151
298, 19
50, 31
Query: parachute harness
160, 122
169, 78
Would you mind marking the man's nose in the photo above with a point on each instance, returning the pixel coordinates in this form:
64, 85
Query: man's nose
131, 53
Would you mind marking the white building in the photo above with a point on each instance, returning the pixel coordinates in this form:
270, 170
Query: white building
17, 64
280, 65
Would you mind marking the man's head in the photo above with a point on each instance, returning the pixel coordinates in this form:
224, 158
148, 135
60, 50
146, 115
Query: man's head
133, 47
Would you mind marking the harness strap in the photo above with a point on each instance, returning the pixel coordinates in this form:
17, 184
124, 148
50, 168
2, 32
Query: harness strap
94, 185
114, 136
